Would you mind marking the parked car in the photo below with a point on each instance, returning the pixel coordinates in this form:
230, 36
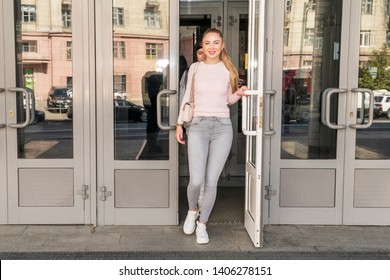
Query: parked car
382, 104
59, 99
126, 111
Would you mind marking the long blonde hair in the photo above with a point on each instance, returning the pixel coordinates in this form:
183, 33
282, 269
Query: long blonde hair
227, 61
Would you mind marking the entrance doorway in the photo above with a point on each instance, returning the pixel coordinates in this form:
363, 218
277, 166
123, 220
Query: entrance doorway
232, 19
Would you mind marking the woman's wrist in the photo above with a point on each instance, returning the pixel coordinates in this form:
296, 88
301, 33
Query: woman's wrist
179, 124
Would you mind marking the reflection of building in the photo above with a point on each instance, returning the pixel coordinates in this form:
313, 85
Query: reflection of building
140, 39
305, 20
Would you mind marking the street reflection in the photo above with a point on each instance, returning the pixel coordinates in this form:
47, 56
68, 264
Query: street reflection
312, 37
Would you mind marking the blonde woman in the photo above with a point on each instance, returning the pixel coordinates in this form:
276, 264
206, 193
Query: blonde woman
210, 133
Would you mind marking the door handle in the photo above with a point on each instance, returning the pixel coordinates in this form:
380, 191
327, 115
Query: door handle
28, 108
159, 122
2, 125
370, 109
247, 118
32, 106
271, 93
325, 112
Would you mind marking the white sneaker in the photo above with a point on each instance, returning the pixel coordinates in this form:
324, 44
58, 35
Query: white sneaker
201, 234
189, 223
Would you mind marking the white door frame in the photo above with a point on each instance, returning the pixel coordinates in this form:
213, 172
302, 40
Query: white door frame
106, 165
80, 212
3, 116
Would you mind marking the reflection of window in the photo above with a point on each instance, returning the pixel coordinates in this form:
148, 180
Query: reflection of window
118, 16
69, 82
318, 43
120, 82
67, 16
29, 46
366, 7
152, 18
365, 38
287, 7
119, 49
285, 36
28, 13
309, 36
69, 50
154, 51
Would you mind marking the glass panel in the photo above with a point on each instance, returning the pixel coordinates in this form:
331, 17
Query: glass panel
312, 32
140, 53
43, 38
373, 143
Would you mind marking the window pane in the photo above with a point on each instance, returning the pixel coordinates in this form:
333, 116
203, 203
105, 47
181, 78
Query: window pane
45, 69
139, 74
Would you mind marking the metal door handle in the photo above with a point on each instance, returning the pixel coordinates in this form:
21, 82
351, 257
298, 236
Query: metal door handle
247, 120
270, 131
28, 109
370, 109
159, 122
2, 125
325, 112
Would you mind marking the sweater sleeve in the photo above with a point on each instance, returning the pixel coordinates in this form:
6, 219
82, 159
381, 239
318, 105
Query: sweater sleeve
232, 97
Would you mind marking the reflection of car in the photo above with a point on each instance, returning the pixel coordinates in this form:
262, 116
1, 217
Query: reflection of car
119, 94
40, 116
382, 105
126, 111
69, 113
59, 99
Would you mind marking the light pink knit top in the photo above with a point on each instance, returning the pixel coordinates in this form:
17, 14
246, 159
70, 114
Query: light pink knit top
213, 92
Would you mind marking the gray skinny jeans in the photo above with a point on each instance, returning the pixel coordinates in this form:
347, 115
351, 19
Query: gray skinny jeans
209, 143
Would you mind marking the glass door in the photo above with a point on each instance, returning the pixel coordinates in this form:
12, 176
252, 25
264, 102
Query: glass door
330, 67
137, 78
367, 168
252, 122
43, 81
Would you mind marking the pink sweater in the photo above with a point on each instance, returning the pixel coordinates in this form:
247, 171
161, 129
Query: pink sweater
213, 92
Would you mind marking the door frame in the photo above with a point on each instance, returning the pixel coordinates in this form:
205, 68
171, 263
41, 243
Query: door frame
80, 213
108, 213
3, 139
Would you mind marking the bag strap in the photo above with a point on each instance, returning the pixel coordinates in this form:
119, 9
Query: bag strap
192, 92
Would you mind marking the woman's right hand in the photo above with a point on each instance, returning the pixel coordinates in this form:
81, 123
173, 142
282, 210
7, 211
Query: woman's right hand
179, 134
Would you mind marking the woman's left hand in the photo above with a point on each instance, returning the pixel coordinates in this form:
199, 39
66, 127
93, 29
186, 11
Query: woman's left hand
241, 91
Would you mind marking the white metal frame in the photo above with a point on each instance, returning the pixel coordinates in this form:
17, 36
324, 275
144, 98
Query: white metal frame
108, 214
80, 213
3, 116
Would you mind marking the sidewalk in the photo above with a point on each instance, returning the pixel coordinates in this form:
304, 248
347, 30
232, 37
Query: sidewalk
228, 241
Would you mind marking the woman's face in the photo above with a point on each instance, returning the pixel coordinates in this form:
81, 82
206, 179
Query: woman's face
212, 46
200, 55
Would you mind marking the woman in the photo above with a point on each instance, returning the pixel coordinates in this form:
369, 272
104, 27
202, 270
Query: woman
210, 133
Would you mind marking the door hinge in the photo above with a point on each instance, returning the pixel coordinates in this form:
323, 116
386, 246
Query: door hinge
269, 192
105, 193
83, 192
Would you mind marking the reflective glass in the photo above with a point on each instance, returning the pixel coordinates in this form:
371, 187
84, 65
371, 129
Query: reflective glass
141, 65
373, 142
312, 34
43, 38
